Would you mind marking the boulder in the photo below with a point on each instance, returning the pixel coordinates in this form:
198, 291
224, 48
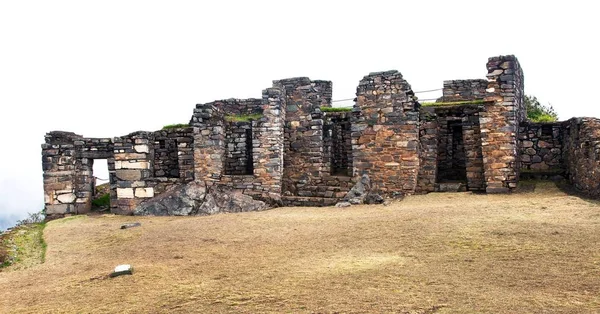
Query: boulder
359, 191
180, 201
196, 199
227, 200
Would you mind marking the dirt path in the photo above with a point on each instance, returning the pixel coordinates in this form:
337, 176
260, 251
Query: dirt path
437, 253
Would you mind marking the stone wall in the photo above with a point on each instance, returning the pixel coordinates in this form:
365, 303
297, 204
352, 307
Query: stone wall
541, 147
238, 148
463, 90
500, 123
337, 148
67, 162
303, 140
246, 156
385, 133
581, 151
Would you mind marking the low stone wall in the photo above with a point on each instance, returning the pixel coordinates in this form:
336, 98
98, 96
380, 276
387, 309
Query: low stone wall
463, 90
541, 147
581, 153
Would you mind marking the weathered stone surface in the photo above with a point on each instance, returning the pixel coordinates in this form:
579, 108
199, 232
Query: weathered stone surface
66, 198
197, 199
226, 200
125, 193
128, 175
180, 201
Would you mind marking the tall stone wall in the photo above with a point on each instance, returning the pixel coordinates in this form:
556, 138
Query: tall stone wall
463, 90
500, 123
582, 154
208, 121
303, 152
385, 133
541, 147
428, 150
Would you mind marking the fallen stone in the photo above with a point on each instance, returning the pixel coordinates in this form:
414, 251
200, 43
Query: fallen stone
122, 270
373, 198
343, 204
130, 225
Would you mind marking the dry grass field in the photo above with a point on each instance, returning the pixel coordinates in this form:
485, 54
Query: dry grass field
534, 252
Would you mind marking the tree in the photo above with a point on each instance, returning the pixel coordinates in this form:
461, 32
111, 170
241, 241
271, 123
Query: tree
536, 112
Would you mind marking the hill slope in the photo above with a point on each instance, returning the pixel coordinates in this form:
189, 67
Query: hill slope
442, 253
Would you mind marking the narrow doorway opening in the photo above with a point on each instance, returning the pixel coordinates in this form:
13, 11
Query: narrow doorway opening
100, 185
452, 164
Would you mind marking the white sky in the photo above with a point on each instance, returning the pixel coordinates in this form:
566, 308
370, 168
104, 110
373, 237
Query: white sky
107, 68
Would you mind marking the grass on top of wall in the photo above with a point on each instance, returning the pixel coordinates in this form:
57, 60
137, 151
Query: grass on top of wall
336, 109
243, 117
175, 126
453, 103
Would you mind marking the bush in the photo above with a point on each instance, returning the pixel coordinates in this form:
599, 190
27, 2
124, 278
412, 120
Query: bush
536, 112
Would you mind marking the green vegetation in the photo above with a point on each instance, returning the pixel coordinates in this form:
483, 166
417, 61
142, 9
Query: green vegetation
102, 201
336, 109
453, 103
23, 246
536, 112
175, 126
243, 117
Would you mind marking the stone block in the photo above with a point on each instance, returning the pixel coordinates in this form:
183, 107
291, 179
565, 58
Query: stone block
144, 192
128, 175
66, 198
141, 148
125, 193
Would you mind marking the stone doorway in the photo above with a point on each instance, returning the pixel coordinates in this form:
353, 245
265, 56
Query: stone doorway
452, 166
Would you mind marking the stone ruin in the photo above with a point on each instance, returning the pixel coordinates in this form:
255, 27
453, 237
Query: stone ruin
286, 148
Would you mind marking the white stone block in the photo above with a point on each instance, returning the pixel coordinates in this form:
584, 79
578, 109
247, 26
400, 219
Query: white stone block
141, 148
144, 192
135, 165
66, 198
124, 193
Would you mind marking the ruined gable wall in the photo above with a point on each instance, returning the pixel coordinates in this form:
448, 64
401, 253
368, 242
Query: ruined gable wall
385, 133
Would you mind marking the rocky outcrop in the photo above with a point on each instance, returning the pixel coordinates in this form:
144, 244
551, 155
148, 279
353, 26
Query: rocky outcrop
196, 198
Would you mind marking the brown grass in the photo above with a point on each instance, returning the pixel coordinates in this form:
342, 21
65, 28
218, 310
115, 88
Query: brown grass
438, 253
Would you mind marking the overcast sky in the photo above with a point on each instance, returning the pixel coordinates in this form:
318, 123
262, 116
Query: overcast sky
107, 68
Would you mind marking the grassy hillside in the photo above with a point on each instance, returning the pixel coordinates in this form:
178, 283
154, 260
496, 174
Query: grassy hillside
438, 253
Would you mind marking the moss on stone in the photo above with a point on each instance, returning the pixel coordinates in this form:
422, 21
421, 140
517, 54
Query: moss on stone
243, 117
336, 109
175, 126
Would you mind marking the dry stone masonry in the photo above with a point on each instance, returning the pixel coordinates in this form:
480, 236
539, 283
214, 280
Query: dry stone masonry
285, 149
